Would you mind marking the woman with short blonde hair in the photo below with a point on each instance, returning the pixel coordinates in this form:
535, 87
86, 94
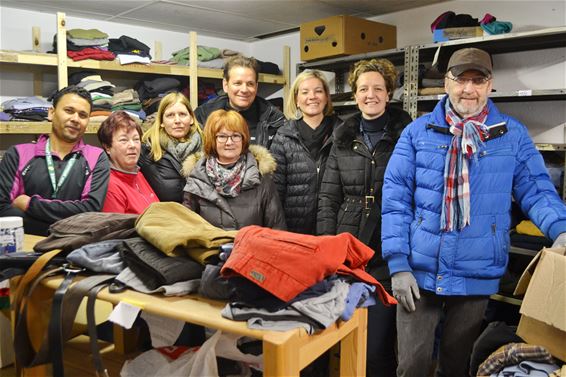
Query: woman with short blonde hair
301, 148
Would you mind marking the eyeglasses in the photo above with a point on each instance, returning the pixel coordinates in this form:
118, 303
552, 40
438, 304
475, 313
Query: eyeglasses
236, 138
476, 81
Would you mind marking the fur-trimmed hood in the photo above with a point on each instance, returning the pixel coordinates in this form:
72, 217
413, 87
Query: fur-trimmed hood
265, 162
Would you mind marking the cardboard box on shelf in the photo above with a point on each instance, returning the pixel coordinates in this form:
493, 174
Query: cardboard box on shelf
543, 311
344, 35
442, 35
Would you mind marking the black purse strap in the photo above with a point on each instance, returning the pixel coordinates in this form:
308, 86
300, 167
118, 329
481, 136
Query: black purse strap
66, 301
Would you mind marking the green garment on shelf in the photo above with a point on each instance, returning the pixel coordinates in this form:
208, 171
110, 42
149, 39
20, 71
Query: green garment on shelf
86, 34
204, 53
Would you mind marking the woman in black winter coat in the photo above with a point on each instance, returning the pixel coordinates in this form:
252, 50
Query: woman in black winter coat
350, 193
301, 148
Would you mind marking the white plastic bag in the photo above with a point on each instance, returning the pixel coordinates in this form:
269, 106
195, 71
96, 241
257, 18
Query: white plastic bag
163, 361
222, 345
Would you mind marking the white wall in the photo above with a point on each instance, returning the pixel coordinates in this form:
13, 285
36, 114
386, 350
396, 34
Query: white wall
524, 70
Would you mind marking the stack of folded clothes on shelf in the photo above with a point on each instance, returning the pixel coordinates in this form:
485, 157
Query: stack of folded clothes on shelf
151, 91
129, 101
528, 236
86, 44
204, 54
26, 109
208, 57
206, 92
129, 50
101, 92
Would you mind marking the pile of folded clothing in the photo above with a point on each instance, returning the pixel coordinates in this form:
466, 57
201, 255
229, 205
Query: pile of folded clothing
87, 44
129, 101
488, 23
101, 92
129, 50
26, 109
204, 54
527, 236
151, 91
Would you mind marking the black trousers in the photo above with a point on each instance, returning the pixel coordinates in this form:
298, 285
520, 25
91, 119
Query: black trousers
381, 340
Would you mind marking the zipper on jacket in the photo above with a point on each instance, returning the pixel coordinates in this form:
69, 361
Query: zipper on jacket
496, 256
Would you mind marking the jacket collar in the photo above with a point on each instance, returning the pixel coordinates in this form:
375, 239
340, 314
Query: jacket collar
290, 127
494, 117
42, 140
265, 108
349, 130
263, 160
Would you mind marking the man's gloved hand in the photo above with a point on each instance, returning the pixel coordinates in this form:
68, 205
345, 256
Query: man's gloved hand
405, 289
560, 240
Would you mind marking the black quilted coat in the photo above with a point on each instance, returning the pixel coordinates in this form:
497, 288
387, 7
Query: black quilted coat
298, 176
354, 172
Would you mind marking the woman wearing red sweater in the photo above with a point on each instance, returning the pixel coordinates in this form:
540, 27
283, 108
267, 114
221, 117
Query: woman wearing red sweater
128, 190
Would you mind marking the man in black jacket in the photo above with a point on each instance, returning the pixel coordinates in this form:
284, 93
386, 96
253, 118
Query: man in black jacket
240, 83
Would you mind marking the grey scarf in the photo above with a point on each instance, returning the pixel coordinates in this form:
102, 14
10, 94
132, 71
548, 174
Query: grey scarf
180, 149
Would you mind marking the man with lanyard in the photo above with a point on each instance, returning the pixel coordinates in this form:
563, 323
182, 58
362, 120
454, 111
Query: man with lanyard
447, 197
59, 175
240, 83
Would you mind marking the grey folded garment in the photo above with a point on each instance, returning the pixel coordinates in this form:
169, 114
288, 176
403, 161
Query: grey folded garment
88, 42
99, 257
213, 285
182, 288
154, 267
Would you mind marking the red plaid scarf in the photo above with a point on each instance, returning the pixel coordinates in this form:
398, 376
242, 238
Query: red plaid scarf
469, 134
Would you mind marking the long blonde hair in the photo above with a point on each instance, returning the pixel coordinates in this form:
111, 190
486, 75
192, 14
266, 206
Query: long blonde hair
152, 135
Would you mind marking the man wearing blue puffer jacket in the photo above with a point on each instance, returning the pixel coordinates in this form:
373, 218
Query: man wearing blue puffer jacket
447, 196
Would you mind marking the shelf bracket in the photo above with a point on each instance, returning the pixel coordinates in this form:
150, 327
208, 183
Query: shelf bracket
411, 82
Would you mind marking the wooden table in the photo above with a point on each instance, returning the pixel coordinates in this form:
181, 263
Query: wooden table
284, 353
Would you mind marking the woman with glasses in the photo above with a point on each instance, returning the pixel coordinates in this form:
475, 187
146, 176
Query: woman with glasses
231, 186
301, 148
128, 190
174, 136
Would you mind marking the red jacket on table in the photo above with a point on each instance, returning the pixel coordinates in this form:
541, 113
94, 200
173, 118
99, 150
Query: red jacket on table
128, 193
285, 263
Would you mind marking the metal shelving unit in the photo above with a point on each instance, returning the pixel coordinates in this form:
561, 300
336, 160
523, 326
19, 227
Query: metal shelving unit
411, 56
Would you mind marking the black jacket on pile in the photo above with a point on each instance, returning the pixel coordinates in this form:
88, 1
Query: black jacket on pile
270, 118
354, 172
298, 176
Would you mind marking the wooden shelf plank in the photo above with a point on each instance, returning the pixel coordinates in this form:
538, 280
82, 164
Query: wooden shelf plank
164, 69
506, 299
32, 58
35, 128
106, 65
